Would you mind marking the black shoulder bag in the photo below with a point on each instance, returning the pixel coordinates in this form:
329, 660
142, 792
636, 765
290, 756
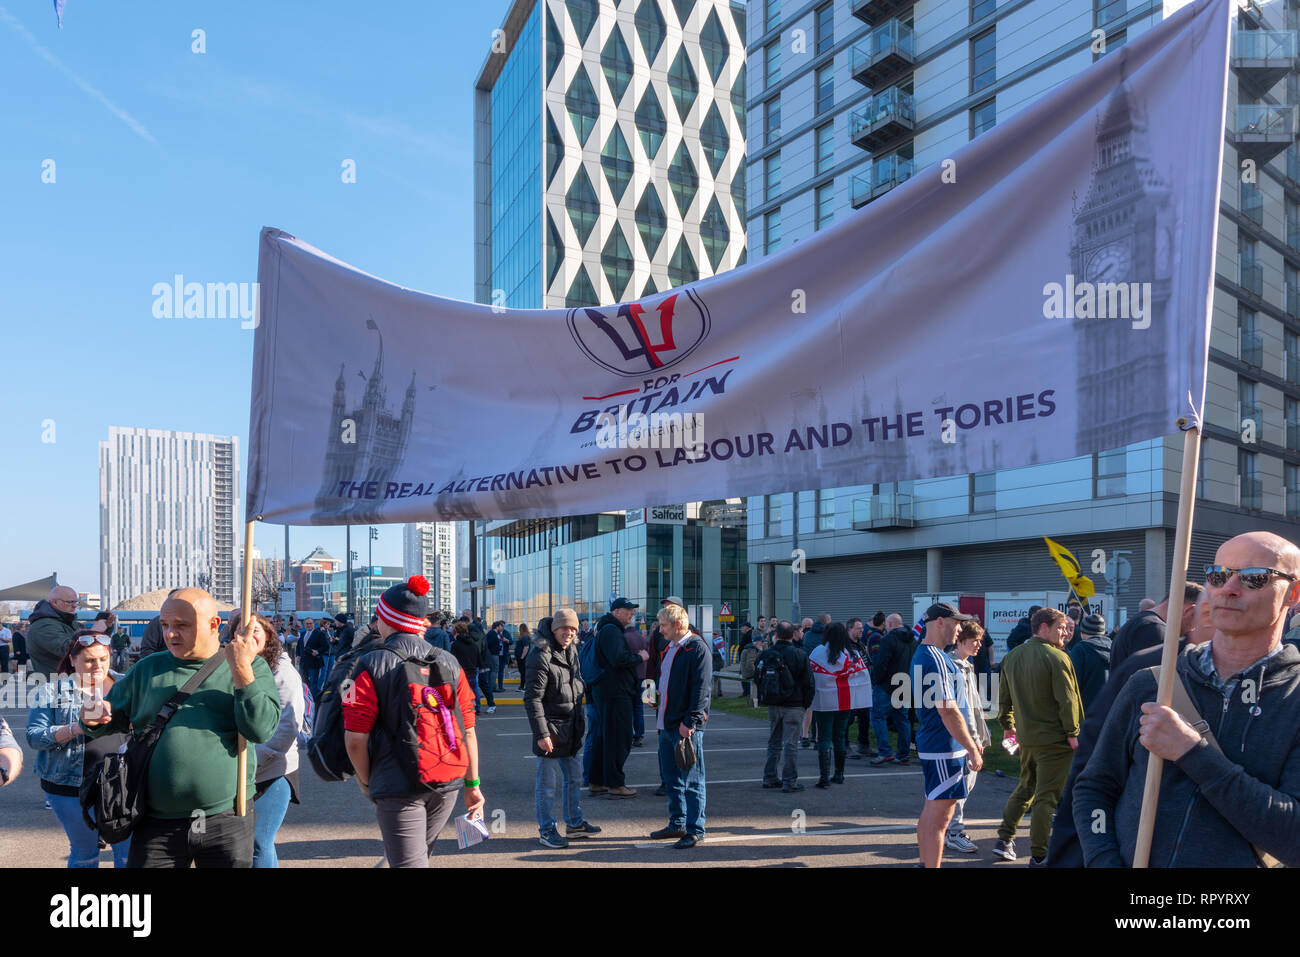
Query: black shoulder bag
113, 792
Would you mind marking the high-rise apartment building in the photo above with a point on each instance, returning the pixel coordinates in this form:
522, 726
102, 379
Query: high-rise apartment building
848, 99
429, 549
168, 509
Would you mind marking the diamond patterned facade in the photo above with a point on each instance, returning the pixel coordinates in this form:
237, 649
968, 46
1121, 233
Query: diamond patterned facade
641, 148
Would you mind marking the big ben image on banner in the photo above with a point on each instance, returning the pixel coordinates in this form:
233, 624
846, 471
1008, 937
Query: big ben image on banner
1122, 246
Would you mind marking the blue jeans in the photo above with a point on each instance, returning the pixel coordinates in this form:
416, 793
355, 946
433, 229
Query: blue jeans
550, 771
315, 679
83, 842
685, 788
472, 676
638, 717
485, 679
882, 716
593, 735
269, 812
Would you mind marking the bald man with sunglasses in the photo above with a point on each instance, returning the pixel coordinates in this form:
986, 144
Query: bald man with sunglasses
1233, 801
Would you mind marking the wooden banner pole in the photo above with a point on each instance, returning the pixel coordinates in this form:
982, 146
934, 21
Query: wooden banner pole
245, 614
1173, 620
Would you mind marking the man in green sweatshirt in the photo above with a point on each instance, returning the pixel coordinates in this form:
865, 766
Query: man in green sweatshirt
190, 794
1038, 702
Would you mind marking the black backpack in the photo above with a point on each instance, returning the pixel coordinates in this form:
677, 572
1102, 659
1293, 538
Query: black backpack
772, 679
326, 750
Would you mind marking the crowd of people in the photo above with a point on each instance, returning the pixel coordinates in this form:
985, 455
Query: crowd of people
1074, 704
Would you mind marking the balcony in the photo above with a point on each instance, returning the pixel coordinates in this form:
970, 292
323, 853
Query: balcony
878, 11
886, 173
1250, 347
1262, 57
884, 55
1252, 205
1250, 493
886, 117
1291, 367
1252, 278
884, 511
1263, 131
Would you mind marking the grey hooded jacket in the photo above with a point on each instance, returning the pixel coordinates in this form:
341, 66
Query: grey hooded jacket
1212, 806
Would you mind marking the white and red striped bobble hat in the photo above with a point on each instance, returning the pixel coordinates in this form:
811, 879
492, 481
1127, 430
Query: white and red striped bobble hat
404, 606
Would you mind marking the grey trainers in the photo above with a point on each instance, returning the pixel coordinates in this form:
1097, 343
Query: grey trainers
1005, 849
960, 842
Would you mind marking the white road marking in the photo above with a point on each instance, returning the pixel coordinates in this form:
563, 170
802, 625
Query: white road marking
828, 832
653, 753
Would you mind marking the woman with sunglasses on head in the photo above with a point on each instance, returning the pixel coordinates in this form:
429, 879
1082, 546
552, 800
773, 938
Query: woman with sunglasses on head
63, 754
277, 757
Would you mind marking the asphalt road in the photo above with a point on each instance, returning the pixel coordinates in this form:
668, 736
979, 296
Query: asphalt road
870, 820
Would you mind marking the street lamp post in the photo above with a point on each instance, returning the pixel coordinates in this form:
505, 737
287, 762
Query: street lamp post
370, 569
352, 558
551, 542
796, 566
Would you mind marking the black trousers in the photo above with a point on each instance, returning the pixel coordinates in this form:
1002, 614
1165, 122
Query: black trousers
214, 840
863, 717
615, 741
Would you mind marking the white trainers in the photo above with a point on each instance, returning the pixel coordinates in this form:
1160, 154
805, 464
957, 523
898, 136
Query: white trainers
960, 842
492, 710
1005, 849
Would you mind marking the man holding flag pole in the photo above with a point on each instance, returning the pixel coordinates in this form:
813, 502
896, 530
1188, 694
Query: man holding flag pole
1232, 795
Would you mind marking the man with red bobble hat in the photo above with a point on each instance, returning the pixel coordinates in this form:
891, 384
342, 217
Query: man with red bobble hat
376, 717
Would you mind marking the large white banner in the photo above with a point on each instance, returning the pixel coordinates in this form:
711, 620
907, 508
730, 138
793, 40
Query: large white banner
1042, 293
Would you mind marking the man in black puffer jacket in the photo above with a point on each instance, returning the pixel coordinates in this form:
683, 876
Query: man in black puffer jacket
614, 693
553, 702
890, 672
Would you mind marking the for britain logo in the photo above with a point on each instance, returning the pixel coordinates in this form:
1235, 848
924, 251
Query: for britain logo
634, 338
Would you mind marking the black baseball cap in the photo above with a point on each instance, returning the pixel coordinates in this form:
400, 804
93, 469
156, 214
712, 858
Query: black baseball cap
942, 609
622, 603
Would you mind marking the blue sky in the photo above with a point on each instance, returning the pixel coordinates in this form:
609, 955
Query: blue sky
169, 161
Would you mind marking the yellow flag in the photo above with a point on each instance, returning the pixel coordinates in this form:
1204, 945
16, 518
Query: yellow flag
1083, 587
1068, 564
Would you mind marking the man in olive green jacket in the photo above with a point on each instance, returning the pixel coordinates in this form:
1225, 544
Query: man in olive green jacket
1038, 702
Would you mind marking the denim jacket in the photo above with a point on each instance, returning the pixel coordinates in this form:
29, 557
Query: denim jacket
56, 704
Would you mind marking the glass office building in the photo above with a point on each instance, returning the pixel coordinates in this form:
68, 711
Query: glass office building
849, 98
582, 563
609, 165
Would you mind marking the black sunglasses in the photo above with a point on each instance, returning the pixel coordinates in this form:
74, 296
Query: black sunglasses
1252, 578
